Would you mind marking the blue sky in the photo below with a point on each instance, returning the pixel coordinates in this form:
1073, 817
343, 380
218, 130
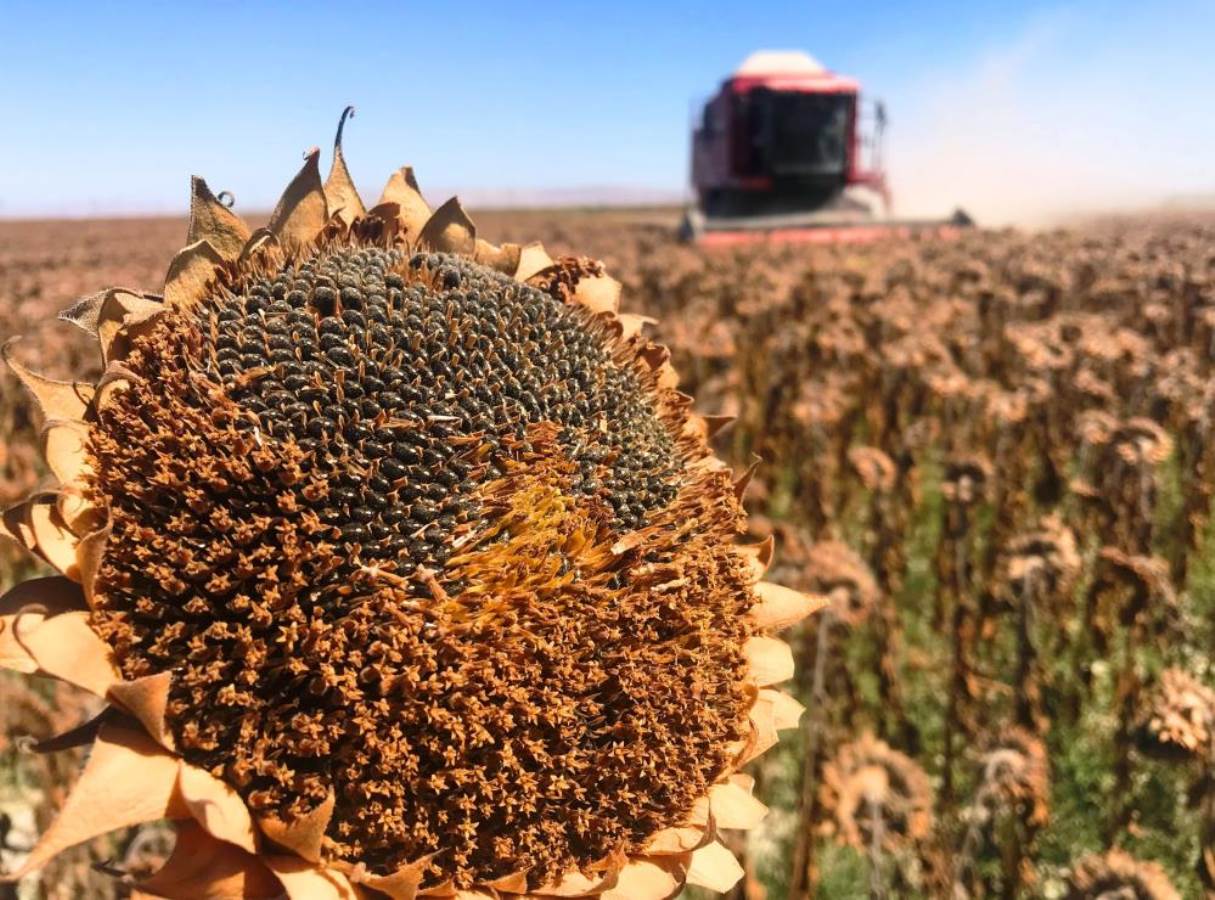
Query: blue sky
1005, 106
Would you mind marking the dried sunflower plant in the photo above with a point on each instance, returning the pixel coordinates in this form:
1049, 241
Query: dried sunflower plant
879, 801
1011, 431
402, 568
1118, 874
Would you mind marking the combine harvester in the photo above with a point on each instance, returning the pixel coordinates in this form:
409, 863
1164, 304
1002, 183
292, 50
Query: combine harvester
781, 154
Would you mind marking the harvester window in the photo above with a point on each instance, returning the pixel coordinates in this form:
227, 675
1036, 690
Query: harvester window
810, 133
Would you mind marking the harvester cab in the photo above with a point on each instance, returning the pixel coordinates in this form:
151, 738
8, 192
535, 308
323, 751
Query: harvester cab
787, 150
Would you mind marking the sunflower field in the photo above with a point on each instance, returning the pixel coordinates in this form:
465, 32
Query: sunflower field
989, 459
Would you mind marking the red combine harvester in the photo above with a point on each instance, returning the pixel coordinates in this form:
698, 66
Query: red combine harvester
781, 153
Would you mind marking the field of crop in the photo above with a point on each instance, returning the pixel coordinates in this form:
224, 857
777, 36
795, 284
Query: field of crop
993, 455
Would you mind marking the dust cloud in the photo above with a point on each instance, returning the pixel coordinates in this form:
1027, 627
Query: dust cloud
1030, 135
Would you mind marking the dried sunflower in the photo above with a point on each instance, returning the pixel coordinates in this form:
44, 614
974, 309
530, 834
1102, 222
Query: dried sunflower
1146, 576
1005, 408
1179, 720
834, 570
1013, 789
1044, 562
1015, 775
403, 567
868, 786
876, 471
1096, 427
1118, 874
1141, 442
1092, 387
966, 480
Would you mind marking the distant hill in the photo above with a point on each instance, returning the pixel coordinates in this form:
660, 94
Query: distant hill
557, 198
1200, 201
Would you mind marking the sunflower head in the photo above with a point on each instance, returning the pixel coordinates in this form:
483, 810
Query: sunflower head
871, 790
1044, 562
1096, 428
966, 480
1178, 721
834, 570
1146, 578
1118, 875
876, 471
1014, 775
402, 565
1141, 442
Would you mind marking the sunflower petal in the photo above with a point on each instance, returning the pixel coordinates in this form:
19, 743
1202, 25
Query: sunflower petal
127, 780
668, 378
445, 889
217, 807
86, 310
763, 735
514, 883
658, 359
681, 838
80, 736
86, 313
649, 879
402, 884
598, 293
114, 380
55, 540
13, 655
758, 557
532, 259
78, 511
786, 712
53, 595
64, 445
734, 807
301, 836
714, 867
205, 868
341, 197
145, 698
450, 230
15, 525
675, 840
576, 884
301, 212
261, 241
65, 647
412, 210
89, 553
34, 600
504, 259
694, 427
56, 399
708, 463
780, 607
717, 423
214, 223
118, 311
769, 660
303, 881
655, 355
682, 400
190, 274
340, 193
744, 480
631, 324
